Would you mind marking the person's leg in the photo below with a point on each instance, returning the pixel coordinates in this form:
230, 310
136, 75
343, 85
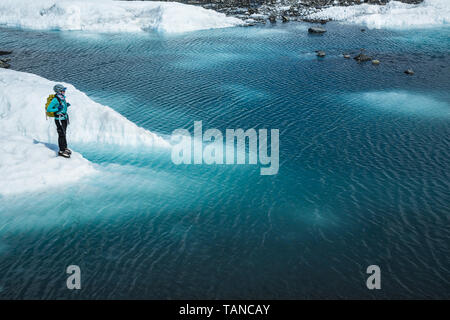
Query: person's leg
61, 129
64, 140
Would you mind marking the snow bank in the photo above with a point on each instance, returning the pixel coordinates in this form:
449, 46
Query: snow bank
26, 165
28, 141
110, 16
393, 15
22, 100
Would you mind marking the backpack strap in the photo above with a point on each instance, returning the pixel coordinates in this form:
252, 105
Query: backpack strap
60, 103
59, 100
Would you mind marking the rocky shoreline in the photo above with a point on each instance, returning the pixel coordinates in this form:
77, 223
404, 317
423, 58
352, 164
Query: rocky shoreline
263, 11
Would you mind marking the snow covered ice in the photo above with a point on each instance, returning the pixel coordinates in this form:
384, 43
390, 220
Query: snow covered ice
27, 165
429, 13
28, 141
111, 16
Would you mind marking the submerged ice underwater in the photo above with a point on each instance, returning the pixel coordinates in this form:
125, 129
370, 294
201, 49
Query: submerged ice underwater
364, 169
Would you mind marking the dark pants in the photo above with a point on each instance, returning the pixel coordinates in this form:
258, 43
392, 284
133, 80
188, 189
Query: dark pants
61, 126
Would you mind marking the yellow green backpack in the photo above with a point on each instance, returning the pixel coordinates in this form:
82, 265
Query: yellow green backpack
49, 99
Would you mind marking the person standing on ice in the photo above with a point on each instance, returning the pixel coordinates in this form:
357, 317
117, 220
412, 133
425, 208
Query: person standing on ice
59, 107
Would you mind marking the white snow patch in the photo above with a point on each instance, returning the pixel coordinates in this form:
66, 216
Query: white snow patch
429, 13
111, 16
258, 16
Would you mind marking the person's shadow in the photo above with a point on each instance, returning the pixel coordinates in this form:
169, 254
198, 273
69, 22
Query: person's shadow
51, 146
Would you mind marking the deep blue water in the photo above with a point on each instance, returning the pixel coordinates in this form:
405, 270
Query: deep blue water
364, 168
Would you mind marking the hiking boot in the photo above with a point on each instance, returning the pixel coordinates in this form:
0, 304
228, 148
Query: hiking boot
63, 154
68, 151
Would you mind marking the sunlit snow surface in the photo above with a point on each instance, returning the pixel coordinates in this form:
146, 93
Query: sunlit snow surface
27, 165
110, 16
393, 15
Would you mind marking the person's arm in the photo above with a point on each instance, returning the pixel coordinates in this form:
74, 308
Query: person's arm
53, 106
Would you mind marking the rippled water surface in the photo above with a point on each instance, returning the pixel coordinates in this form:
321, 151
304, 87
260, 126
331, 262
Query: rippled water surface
364, 168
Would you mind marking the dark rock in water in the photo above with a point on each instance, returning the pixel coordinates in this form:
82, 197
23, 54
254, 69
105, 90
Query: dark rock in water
4, 53
409, 71
362, 57
362, 30
316, 30
272, 18
4, 64
346, 56
285, 19
320, 53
